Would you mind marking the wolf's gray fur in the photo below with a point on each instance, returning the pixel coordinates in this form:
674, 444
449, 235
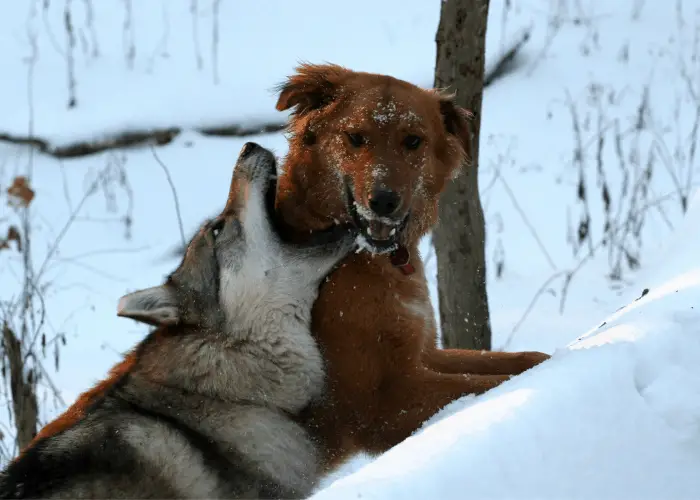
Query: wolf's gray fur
203, 407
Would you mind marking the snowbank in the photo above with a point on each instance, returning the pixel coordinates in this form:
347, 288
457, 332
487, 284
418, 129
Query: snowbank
614, 415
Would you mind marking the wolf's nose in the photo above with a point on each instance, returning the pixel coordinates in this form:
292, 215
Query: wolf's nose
248, 149
384, 202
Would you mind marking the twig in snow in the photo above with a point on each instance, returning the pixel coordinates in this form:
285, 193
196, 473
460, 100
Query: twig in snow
695, 131
569, 275
70, 55
584, 226
526, 220
90, 22
175, 198
49, 30
530, 307
216, 5
92, 188
194, 14
128, 35
161, 48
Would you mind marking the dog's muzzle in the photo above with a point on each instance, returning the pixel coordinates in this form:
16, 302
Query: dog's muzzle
377, 233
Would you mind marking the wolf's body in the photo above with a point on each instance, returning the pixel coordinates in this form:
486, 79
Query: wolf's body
204, 406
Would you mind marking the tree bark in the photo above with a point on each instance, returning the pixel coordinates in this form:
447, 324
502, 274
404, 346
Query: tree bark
459, 237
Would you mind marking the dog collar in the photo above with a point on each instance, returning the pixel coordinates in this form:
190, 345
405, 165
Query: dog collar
401, 258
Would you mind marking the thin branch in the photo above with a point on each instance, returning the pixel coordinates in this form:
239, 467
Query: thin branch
108, 251
195, 33
175, 198
49, 381
94, 270
90, 21
530, 307
570, 275
128, 35
70, 56
54, 246
530, 227
42, 319
216, 5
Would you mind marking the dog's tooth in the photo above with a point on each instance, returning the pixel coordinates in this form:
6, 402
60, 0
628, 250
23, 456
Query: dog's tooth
392, 232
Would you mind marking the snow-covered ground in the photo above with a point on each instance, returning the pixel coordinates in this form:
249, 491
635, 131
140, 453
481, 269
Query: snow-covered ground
617, 419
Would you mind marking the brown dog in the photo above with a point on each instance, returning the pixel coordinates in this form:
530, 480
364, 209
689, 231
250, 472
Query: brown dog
377, 152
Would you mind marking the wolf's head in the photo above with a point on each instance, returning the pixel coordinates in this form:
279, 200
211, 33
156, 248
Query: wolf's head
237, 268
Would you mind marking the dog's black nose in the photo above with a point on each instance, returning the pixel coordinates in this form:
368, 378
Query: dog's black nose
384, 202
248, 149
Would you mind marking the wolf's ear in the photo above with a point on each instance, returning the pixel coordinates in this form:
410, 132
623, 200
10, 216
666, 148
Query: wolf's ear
311, 87
456, 120
155, 306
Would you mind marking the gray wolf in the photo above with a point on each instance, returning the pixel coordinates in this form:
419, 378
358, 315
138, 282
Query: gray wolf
204, 406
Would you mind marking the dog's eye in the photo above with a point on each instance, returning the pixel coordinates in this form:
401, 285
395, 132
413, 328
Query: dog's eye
357, 140
216, 227
412, 142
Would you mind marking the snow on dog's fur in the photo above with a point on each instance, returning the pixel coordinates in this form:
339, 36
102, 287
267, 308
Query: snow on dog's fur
377, 152
204, 406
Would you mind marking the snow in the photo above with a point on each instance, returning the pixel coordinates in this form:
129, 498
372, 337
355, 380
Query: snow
613, 415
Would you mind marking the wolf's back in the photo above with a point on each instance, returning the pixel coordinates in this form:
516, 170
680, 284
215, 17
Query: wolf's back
122, 450
74, 463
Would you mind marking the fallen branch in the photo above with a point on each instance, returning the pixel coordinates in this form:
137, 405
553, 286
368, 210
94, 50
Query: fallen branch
240, 131
86, 148
140, 138
133, 139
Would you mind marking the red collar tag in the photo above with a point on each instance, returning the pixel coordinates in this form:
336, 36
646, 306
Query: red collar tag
401, 258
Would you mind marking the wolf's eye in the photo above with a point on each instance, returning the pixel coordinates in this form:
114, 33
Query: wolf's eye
357, 140
216, 227
412, 142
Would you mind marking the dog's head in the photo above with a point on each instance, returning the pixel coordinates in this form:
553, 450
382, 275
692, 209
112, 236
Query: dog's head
383, 146
237, 263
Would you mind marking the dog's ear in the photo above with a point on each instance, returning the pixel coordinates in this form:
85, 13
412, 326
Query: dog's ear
456, 120
155, 306
313, 86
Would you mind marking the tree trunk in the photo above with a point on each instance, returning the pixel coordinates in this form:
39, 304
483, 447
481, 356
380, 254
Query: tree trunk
459, 237
22, 386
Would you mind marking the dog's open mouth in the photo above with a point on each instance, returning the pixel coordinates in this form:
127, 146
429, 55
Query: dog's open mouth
376, 234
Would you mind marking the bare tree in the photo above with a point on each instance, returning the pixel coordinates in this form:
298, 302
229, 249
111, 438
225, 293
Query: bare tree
460, 235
